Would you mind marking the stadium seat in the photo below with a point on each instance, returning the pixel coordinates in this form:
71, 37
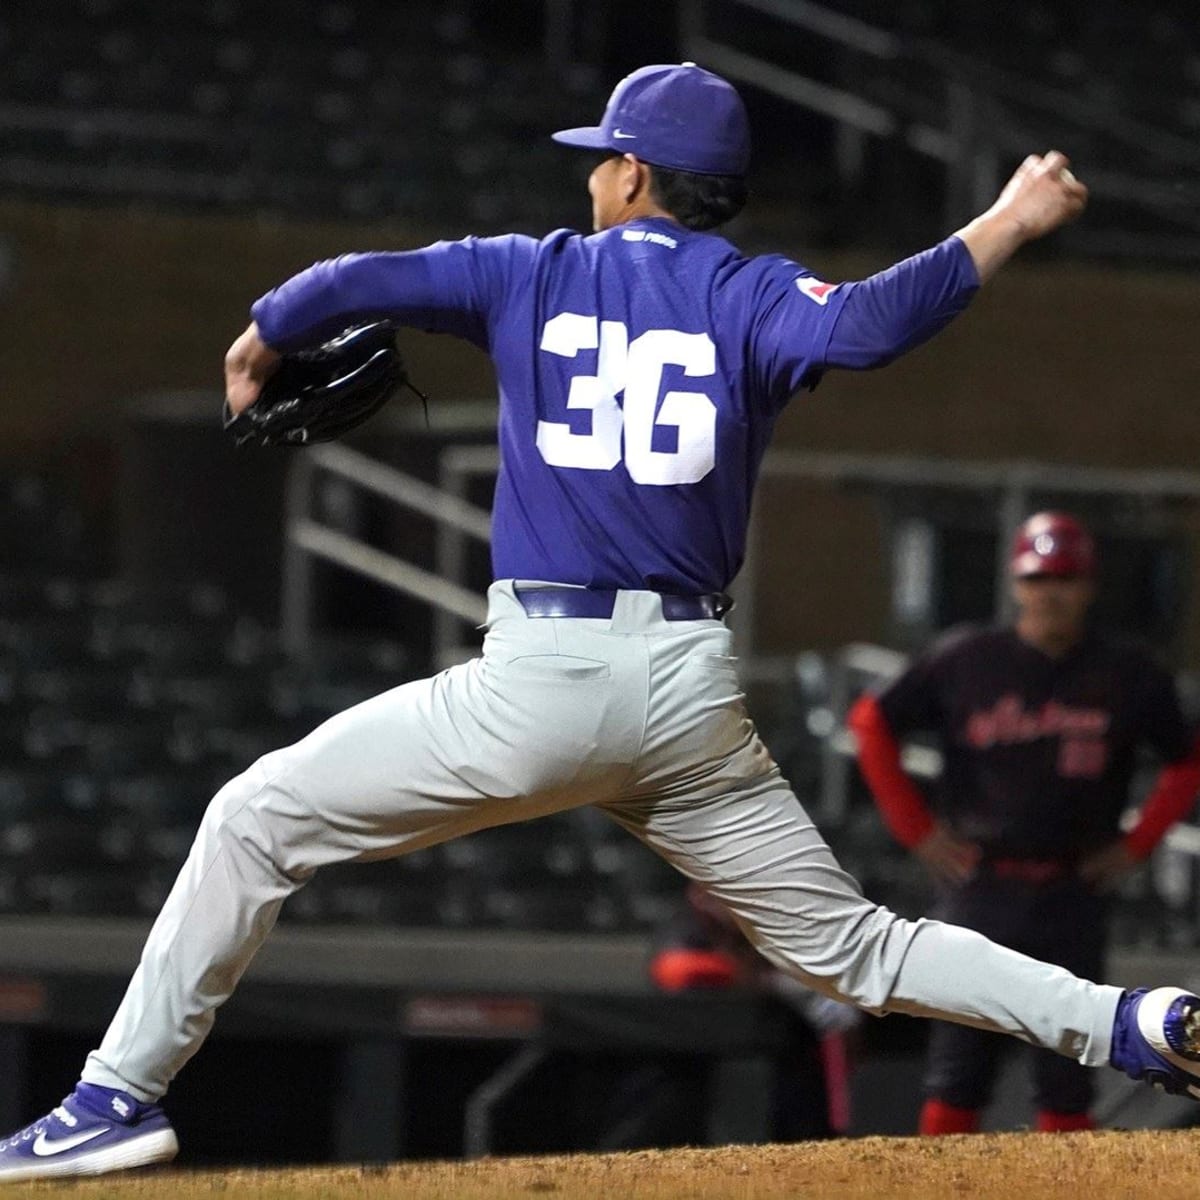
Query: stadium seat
108, 893
161, 794
12, 893
376, 893
51, 842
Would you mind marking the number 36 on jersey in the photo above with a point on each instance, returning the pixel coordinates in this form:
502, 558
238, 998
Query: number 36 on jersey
635, 368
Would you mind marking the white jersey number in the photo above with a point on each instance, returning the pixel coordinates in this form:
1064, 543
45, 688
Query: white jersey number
636, 369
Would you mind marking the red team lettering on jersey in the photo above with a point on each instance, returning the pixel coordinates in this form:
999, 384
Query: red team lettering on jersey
1008, 721
1083, 752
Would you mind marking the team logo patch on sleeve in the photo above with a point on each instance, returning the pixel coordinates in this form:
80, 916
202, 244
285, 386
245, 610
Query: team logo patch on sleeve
815, 290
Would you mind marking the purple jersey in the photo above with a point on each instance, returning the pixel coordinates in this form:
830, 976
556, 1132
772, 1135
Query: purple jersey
640, 370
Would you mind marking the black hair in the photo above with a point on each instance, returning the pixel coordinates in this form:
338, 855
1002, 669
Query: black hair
697, 201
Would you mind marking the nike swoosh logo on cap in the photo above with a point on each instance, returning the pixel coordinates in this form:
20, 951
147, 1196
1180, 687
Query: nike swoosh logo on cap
618, 134
44, 1148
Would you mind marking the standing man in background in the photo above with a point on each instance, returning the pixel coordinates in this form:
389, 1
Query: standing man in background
1039, 724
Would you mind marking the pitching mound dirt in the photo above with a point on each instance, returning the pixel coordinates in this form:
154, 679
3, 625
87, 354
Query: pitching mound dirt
1083, 1166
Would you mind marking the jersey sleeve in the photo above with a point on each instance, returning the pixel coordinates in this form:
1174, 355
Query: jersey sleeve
898, 798
896, 310
807, 326
1163, 726
1172, 798
448, 287
794, 317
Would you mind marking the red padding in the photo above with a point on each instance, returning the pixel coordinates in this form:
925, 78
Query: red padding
676, 970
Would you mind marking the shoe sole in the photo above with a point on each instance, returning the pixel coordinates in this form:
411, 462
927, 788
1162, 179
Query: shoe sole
1153, 1017
160, 1146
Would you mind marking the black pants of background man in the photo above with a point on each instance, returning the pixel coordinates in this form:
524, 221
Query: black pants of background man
1059, 920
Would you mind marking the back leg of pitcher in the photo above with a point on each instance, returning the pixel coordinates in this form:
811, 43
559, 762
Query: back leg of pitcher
262, 837
755, 849
388, 776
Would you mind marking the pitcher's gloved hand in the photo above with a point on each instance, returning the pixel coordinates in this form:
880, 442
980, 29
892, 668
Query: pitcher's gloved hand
320, 393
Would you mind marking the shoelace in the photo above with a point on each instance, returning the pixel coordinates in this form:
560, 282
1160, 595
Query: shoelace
24, 1135
31, 1131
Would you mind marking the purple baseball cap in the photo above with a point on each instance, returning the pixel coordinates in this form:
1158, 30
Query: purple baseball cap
675, 115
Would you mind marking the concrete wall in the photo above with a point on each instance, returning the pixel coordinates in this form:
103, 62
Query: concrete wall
104, 305
1064, 363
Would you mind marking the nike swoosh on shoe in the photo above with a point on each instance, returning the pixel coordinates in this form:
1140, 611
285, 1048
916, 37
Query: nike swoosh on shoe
43, 1147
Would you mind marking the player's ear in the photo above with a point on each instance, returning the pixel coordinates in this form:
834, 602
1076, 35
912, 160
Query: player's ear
635, 177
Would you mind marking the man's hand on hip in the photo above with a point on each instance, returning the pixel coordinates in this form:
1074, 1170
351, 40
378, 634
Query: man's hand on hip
1105, 869
948, 857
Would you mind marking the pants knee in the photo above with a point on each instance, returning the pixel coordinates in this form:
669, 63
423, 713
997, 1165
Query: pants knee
253, 815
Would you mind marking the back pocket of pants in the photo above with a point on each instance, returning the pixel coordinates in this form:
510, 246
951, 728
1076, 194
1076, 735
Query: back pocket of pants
566, 668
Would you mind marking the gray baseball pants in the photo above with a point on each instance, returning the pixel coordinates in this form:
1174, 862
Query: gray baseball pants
637, 715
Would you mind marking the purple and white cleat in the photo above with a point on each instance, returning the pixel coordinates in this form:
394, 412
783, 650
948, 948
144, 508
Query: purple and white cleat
93, 1131
1156, 1039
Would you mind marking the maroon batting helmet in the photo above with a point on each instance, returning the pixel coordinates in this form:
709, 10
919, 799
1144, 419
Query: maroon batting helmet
1053, 543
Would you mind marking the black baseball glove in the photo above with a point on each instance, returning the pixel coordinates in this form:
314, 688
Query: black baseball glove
318, 394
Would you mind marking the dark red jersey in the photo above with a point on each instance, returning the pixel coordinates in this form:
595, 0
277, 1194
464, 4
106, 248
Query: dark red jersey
1039, 753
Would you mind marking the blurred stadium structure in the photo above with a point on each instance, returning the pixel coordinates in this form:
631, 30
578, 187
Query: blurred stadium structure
126, 698
439, 109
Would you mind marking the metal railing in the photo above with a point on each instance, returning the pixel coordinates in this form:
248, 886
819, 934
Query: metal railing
1012, 489
308, 540
958, 110
459, 523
